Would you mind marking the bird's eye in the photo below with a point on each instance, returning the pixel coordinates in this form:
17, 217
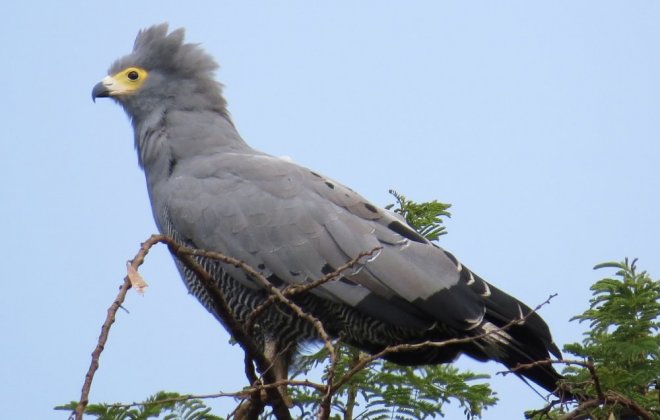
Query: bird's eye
133, 75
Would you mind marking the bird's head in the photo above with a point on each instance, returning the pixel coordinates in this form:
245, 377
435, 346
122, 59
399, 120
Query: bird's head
162, 71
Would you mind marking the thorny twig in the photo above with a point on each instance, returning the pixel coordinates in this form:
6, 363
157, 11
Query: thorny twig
184, 255
105, 330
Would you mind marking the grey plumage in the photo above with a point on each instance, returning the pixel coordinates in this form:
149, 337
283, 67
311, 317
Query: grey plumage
210, 190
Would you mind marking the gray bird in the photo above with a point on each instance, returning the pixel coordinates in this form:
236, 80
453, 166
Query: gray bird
211, 190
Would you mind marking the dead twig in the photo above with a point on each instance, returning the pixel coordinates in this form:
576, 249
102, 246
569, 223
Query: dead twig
185, 254
105, 328
300, 288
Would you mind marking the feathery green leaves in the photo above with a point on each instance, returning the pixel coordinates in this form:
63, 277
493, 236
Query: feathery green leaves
622, 344
163, 405
386, 390
425, 218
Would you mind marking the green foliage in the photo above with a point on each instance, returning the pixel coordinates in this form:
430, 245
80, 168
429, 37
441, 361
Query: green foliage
425, 218
163, 405
622, 343
385, 390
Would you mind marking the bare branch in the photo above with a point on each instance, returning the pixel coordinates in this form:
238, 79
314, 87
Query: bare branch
105, 328
587, 365
364, 361
352, 391
301, 288
185, 254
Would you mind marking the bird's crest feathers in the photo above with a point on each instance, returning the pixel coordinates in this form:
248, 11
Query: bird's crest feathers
156, 49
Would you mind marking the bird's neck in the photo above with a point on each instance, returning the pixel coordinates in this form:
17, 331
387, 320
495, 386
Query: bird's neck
168, 137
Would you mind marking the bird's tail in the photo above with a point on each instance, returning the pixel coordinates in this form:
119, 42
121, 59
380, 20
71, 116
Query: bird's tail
516, 336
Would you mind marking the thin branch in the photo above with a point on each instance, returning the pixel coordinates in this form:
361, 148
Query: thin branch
237, 394
587, 365
352, 390
292, 290
592, 371
364, 361
543, 411
105, 328
184, 254
301, 288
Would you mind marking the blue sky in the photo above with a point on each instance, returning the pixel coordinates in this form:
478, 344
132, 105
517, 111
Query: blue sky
538, 121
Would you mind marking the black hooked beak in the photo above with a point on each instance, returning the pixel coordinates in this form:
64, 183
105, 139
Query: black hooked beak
100, 91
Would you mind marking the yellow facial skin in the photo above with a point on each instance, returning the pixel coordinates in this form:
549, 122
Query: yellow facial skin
124, 82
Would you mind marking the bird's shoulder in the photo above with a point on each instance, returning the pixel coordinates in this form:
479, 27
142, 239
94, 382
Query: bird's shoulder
240, 180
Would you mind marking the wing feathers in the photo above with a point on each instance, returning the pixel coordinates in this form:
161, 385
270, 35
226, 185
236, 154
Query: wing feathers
296, 223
